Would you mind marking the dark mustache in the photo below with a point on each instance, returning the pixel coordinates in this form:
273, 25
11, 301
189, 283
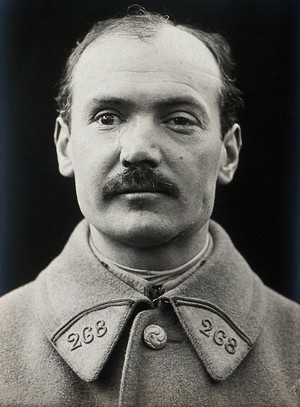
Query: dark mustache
135, 179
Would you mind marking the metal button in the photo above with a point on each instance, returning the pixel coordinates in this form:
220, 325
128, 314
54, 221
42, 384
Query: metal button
155, 337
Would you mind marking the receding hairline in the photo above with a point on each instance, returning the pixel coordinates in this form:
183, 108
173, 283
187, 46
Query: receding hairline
161, 30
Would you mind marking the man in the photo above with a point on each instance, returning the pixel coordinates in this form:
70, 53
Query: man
149, 304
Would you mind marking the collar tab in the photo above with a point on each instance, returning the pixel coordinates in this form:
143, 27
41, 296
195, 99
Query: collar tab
86, 341
219, 342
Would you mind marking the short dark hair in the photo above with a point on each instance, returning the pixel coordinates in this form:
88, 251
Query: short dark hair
144, 24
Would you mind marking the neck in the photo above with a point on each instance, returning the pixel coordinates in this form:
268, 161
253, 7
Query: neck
166, 256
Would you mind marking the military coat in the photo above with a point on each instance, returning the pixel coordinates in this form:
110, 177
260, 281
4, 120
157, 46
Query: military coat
81, 336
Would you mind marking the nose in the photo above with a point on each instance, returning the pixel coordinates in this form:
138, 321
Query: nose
138, 145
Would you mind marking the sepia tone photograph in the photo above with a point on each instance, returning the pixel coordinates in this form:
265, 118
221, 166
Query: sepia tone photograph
149, 210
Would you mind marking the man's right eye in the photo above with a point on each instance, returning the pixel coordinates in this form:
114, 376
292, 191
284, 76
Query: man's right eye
107, 119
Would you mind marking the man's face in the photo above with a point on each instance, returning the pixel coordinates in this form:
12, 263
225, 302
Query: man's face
145, 104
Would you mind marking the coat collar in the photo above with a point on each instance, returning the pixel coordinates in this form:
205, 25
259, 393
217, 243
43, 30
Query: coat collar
83, 307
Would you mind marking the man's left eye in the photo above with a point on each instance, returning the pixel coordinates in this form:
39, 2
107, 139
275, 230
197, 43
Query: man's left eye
182, 121
107, 119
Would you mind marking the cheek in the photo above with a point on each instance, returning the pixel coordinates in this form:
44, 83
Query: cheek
198, 166
94, 157
198, 172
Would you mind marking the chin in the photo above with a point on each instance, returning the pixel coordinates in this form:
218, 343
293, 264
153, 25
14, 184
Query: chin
140, 234
146, 236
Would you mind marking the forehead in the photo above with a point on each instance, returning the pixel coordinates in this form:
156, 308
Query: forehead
169, 56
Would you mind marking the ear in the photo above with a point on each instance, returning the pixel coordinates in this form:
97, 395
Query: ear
229, 159
62, 143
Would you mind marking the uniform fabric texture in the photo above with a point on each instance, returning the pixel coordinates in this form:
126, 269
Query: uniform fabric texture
75, 336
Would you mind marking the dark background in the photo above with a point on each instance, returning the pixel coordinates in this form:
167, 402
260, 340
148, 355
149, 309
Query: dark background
259, 209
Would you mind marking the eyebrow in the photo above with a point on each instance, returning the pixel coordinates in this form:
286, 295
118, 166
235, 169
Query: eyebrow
168, 102
186, 101
109, 101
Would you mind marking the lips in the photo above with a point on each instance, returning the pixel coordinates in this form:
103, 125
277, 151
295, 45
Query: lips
140, 189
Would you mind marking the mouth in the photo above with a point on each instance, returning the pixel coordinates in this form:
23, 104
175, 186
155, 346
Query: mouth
140, 190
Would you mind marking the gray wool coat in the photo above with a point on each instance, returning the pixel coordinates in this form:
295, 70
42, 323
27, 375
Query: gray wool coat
76, 337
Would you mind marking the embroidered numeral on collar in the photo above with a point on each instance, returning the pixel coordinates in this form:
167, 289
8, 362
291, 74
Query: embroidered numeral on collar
220, 344
86, 341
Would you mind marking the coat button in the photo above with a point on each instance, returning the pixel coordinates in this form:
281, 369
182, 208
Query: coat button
155, 337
